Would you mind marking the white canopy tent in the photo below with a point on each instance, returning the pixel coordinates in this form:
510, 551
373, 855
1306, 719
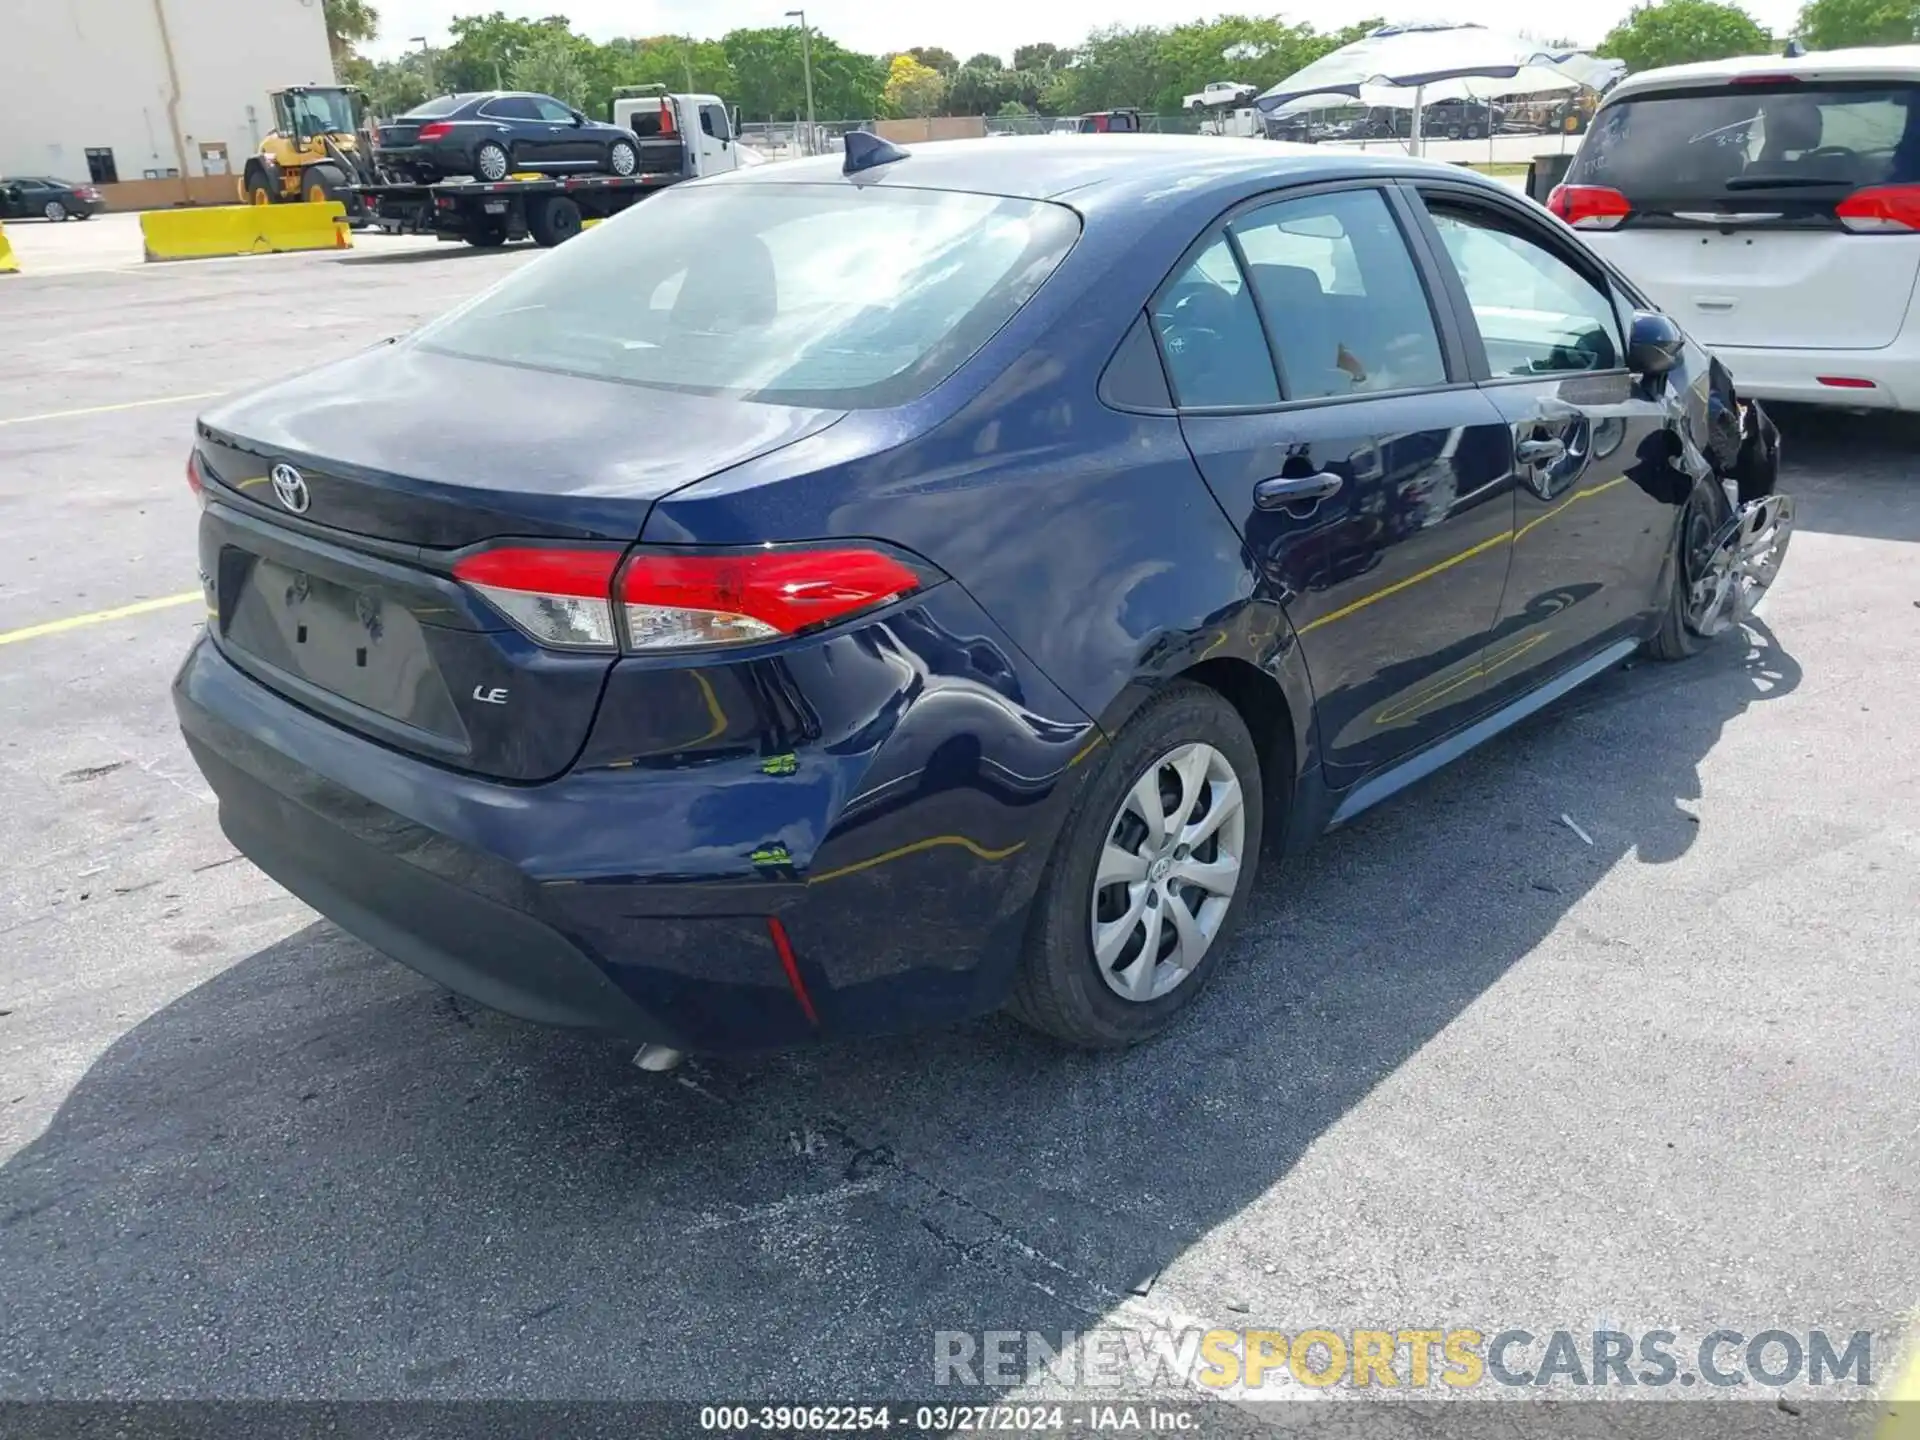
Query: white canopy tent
1411, 66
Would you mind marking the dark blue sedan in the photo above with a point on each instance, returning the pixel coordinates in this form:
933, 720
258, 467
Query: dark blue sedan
833, 599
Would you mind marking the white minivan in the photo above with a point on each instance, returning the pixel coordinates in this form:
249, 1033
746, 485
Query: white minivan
1772, 206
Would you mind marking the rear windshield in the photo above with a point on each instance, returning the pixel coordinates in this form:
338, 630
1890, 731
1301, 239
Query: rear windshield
828, 295
1725, 148
445, 105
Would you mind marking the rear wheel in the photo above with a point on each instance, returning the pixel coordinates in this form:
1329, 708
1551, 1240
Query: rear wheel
1473, 132
1453, 132
490, 161
553, 221
487, 237
1151, 872
622, 158
54, 210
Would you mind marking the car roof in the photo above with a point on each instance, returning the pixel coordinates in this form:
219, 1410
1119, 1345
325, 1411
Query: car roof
1882, 62
1104, 170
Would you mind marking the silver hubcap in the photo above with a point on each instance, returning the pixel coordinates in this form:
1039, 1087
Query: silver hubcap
1168, 872
493, 163
623, 160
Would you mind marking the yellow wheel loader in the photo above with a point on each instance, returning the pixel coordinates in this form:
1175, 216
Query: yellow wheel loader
319, 146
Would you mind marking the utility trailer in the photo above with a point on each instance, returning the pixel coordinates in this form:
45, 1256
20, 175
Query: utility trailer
489, 213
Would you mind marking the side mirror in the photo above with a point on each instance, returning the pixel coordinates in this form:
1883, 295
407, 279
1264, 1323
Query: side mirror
1656, 344
578, 120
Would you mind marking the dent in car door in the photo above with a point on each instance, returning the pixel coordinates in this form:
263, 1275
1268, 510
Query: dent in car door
1594, 508
1374, 497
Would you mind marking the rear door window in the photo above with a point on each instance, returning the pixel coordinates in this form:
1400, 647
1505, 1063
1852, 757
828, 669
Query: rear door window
1210, 334
1341, 296
1776, 152
510, 107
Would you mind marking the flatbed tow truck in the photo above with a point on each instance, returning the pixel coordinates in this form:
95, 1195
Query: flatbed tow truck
681, 137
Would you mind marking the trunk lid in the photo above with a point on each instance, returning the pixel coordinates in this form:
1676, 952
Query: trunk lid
1733, 189
340, 500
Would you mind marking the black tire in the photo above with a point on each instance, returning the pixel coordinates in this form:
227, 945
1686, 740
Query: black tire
257, 188
1473, 132
1701, 519
1059, 988
488, 237
486, 166
1453, 132
627, 149
321, 183
553, 221
54, 210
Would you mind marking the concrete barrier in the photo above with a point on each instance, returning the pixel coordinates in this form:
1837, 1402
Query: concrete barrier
244, 230
8, 265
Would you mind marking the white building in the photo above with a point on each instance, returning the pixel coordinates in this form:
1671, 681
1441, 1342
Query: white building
163, 99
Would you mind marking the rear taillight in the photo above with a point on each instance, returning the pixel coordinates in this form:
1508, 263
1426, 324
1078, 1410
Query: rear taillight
677, 601
1589, 207
666, 600
196, 482
560, 597
1881, 209
438, 130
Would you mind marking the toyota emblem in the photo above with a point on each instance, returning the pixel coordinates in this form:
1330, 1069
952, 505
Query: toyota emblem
290, 487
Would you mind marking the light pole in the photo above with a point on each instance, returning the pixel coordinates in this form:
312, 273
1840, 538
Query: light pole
426, 60
806, 64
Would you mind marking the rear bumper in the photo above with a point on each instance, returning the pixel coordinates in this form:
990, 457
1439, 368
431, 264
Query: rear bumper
635, 897
1795, 375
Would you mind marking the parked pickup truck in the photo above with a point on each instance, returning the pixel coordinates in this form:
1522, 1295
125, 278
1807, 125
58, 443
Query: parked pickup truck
679, 137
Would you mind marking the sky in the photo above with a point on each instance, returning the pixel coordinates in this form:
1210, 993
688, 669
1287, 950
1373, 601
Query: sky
968, 27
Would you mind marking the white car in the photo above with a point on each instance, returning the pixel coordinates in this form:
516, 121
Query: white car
1772, 206
1220, 92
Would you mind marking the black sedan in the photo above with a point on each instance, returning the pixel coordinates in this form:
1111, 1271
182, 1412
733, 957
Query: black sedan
850, 600
493, 134
40, 197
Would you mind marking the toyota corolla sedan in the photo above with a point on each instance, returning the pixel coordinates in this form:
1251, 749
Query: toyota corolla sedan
846, 596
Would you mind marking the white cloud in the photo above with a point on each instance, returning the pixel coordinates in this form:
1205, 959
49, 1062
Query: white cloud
968, 28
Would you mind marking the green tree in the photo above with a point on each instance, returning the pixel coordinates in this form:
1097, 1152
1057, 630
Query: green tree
554, 64
1037, 57
350, 24
1837, 24
984, 61
392, 87
486, 48
1673, 32
935, 58
769, 81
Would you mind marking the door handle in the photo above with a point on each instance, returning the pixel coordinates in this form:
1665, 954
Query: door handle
1540, 452
1285, 490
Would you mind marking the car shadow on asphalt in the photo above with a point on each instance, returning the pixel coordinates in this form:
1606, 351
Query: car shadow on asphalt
317, 1174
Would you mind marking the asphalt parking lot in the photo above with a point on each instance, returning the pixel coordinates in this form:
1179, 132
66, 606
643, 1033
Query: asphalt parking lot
1466, 1068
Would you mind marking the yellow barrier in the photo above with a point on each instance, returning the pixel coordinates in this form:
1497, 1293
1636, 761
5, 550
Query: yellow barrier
8, 265
244, 230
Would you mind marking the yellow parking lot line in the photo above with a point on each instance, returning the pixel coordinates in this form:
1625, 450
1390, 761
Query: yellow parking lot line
1900, 1418
99, 617
108, 409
